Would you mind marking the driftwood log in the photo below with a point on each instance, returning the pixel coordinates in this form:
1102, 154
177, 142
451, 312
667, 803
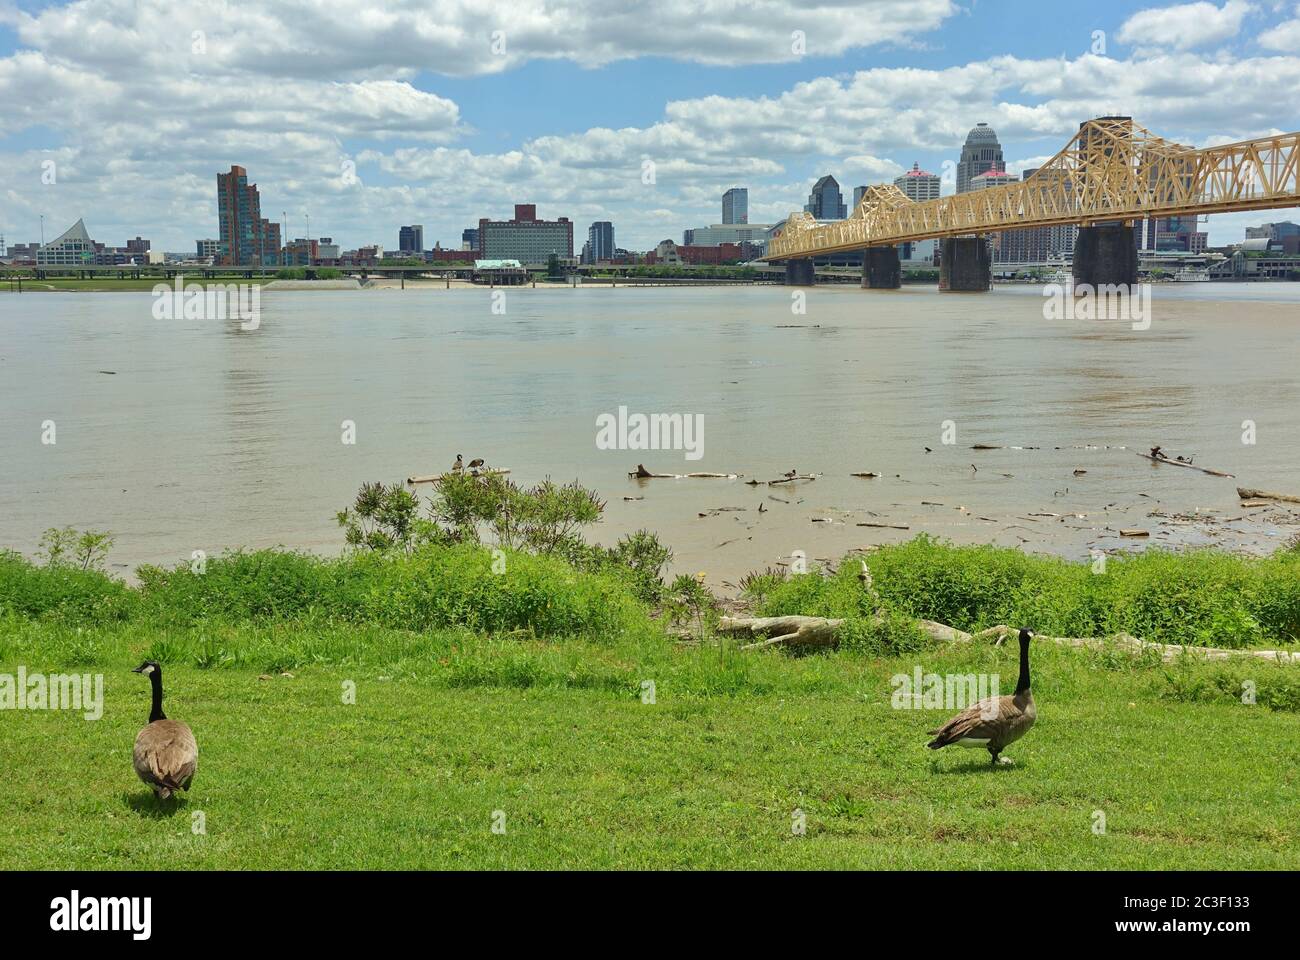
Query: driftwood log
1248, 494
819, 632
1183, 463
641, 473
779, 631
435, 477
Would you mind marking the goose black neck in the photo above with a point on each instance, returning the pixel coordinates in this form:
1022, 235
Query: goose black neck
1022, 685
155, 679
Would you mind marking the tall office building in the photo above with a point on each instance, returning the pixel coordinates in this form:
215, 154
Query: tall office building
469, 238
1273, 231
981, 153
857, 197
600, 240
411, 239
525, 238
826, 202
918, 185
72, 248
246, 238
735, 205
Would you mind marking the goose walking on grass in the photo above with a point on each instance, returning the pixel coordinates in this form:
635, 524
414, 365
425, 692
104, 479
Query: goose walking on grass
166, 754
995, 722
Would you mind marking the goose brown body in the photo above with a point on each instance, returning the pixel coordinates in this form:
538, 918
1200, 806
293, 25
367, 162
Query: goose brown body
999, 721
994, 722
165, 755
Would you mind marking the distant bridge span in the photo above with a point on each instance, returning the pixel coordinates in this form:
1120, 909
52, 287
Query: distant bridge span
1112, 171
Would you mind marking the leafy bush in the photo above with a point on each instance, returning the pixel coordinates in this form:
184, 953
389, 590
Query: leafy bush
1204, 598
241, 585
688, 602
544, 519
637, 559
60, 590
385, 518
432, 586
85, 550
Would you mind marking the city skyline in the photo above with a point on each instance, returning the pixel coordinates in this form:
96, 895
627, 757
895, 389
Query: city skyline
406, 144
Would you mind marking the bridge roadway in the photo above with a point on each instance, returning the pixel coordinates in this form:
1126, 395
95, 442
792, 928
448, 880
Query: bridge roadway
1111, 174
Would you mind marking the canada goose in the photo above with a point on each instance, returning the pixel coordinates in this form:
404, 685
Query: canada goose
459, 465
165, 754
476, 463
994, 722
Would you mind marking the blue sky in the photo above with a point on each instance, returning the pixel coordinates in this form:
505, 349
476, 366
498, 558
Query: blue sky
440, 131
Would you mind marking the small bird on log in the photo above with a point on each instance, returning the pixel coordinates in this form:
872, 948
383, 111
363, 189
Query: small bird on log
791, 474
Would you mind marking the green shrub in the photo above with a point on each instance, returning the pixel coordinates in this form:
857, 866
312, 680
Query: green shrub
241, 585
1201, 598
61, 591
432, 586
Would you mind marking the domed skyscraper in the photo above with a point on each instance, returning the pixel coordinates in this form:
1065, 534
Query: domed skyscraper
981, 154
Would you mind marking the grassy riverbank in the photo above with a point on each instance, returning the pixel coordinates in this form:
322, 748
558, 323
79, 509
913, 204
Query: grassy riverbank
523, 689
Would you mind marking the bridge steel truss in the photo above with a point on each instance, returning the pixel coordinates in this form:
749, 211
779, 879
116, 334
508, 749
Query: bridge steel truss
1113, 170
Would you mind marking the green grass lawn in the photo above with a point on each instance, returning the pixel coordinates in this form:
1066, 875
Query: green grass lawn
448, 728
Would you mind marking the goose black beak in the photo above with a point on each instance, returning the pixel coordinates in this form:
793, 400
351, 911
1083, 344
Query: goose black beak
137, 669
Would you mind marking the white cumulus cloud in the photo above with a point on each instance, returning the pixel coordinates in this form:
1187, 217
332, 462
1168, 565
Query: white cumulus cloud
1186, 25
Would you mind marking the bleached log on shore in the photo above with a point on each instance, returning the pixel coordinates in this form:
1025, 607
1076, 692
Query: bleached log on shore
1168, 651
821, 632
1248, 494
793, 631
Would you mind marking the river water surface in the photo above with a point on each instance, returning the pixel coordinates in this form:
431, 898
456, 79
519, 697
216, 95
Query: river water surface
206, 436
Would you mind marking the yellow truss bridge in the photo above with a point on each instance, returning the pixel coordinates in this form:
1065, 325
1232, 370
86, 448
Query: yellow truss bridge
1113, 170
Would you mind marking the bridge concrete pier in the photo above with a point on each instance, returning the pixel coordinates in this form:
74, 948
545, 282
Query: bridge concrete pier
881, 269
965, 264
1105, 254
800, 273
